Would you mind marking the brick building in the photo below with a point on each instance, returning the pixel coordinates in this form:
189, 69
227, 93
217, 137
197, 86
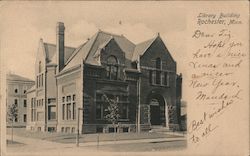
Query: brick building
17, 87
141, 76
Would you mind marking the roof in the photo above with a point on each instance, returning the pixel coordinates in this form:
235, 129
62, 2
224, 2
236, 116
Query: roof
88, 50
50, 50
14, 77
141, 48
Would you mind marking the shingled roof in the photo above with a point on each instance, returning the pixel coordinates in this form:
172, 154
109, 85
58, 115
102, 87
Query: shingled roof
141, 48
88, 50
91, 48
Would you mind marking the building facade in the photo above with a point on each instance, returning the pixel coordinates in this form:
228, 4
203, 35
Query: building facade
17, 87
74, 82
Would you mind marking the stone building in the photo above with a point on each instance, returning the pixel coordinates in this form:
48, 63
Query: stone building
17, 87
142, 77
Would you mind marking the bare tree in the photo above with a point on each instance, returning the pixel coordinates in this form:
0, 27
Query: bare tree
112, 111
12, 115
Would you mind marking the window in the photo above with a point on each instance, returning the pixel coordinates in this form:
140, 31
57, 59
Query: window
37, 81
40, 67
16, 103
68, 99
63, 111
25, 103
42, 80
24, 118
24, 91
33, 109
51, 112
150, 76
16, 90
74, 111
166, 78
68, 111
158, 63
51, 100
69, 107
98, 111
112, 68
158, 71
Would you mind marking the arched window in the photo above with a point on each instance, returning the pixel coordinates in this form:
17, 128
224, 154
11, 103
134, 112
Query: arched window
40, 67
112, 68
158, 70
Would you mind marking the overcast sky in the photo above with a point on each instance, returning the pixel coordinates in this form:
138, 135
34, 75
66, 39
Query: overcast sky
24, 23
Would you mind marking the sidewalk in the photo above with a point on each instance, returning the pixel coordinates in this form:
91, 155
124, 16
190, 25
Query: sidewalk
132, 141
34, 142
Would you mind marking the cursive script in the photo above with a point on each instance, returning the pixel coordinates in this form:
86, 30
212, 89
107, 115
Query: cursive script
213, 66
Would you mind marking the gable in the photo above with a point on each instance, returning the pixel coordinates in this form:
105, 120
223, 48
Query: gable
87, 51
112, 49
40, 57
157, 49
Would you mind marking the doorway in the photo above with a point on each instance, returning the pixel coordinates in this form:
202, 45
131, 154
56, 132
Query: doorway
157, 110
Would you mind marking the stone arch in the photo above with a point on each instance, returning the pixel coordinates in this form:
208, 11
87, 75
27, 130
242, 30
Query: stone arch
158, 110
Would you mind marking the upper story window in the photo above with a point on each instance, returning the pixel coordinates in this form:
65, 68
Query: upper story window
158, 72
24, 103
112, 68
16, 90
40, 67
158, 63
159, 76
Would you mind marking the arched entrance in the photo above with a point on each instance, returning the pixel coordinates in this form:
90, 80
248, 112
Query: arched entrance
158, 110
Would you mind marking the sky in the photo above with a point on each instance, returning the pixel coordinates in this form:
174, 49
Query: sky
24, 23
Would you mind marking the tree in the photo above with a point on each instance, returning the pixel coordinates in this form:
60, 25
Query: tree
112, 110
12, 115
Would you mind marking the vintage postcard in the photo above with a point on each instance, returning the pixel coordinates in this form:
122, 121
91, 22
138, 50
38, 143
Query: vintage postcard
124, 78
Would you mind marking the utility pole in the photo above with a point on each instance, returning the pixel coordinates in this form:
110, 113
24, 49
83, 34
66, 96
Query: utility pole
78, 123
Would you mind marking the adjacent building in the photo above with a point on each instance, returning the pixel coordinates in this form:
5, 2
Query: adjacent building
17, 87
75, 81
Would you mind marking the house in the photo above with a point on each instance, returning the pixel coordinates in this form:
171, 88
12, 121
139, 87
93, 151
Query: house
17, 87
72, 82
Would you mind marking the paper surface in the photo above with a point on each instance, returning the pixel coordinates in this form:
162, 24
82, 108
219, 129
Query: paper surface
209, 41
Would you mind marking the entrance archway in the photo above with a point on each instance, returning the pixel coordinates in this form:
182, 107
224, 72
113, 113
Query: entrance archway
158, 110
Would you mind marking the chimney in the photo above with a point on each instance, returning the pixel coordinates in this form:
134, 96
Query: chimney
60, 45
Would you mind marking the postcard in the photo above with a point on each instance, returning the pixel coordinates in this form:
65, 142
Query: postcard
124, 78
